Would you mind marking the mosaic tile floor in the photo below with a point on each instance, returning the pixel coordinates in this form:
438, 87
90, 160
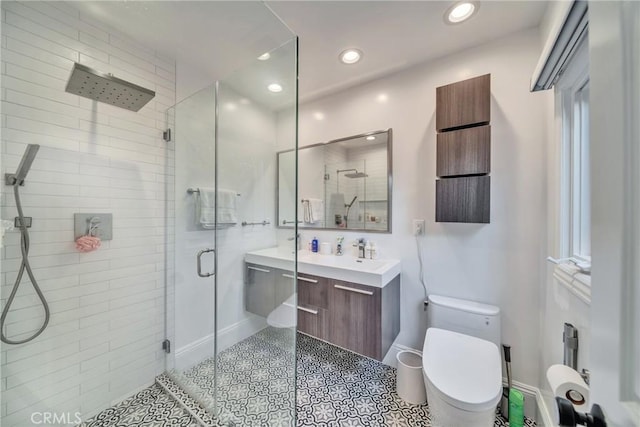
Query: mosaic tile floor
335, 387
151, 407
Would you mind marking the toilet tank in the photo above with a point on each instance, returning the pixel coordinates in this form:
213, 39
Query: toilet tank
466, 317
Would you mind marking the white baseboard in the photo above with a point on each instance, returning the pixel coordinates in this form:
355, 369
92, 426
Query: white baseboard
544, 411
203, 348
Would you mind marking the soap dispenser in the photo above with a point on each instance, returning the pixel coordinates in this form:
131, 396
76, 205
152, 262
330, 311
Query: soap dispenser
374, 250
367, 250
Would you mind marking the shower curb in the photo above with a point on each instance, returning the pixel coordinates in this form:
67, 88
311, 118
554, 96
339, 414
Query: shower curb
188, 403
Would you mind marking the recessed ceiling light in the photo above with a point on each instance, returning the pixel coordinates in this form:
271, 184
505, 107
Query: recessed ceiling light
264, 56
461, 12
350, 56
371, 138
274, 87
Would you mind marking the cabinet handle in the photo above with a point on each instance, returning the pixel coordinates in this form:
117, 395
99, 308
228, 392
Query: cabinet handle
259, 269
308, 310
359, 291
304, 279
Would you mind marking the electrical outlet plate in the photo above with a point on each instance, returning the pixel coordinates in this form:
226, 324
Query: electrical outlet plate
104, 222
418, 227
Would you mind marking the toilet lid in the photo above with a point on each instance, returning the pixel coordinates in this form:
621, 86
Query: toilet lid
464, 370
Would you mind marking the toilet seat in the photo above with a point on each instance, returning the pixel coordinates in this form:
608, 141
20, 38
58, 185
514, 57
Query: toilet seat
284, 315
465, 371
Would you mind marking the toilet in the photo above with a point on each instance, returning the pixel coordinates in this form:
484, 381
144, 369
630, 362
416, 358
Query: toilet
284, 315
461, 362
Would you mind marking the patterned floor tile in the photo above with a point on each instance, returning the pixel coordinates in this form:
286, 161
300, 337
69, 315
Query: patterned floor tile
151, 407
257, 387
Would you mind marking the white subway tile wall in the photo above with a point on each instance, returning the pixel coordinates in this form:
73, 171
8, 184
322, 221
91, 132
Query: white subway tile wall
107, 307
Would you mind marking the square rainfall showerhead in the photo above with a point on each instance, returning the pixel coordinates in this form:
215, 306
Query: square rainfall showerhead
93, 84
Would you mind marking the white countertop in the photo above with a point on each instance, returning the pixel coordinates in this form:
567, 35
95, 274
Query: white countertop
378, 272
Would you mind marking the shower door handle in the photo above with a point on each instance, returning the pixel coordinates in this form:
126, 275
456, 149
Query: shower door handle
199, 259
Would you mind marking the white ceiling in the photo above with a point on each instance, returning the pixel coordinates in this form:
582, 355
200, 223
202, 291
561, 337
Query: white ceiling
214, 38
392, 35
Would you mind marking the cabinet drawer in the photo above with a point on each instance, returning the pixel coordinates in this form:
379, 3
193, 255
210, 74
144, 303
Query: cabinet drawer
313, 321
312, 290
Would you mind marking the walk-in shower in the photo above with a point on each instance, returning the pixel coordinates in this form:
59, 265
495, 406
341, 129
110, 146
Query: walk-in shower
16, 180
82, 331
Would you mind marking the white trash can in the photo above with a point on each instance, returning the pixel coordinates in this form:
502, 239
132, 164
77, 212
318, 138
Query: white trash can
409, 378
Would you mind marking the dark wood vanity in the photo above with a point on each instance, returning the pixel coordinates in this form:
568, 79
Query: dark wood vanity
361, 318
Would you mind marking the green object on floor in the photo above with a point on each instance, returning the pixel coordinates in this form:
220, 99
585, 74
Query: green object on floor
516, 408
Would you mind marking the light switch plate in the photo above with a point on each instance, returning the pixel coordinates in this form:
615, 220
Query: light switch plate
104, 222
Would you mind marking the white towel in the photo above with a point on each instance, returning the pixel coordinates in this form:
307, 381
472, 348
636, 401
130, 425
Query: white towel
207, 208
313, 210
227, 207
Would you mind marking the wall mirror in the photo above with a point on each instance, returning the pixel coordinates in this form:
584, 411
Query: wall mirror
344, 184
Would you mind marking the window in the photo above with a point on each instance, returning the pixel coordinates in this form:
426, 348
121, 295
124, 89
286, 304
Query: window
574, 241
578, 170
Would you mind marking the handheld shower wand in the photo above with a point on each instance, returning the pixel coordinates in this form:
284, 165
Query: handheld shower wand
346, 217
16, 180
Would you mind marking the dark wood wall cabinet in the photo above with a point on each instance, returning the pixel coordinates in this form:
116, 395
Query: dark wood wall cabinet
464, 103
463, 159
364, 319
464, 152
463, 199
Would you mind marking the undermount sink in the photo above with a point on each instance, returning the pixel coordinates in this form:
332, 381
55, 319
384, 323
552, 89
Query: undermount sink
376, 272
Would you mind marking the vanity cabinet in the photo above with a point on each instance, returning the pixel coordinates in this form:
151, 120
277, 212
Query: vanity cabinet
361, 318
266, 288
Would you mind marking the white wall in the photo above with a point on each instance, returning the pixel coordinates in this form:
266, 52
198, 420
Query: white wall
103, 341
497, 263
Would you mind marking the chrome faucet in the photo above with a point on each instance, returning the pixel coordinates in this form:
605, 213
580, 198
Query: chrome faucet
298, 241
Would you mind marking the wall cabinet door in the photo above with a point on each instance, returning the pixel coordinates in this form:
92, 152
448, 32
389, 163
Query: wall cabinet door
463, 103
464, 152
463, 199
354, 317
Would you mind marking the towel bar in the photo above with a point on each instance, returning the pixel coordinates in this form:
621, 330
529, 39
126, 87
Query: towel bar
245, 223
197, 190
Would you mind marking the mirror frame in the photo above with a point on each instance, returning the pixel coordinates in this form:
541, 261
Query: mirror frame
389, 230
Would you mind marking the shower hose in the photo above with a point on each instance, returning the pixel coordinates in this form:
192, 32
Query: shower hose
24, 266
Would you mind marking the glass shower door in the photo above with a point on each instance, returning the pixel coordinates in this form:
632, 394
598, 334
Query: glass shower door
190, 296
256, 304
233, 350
